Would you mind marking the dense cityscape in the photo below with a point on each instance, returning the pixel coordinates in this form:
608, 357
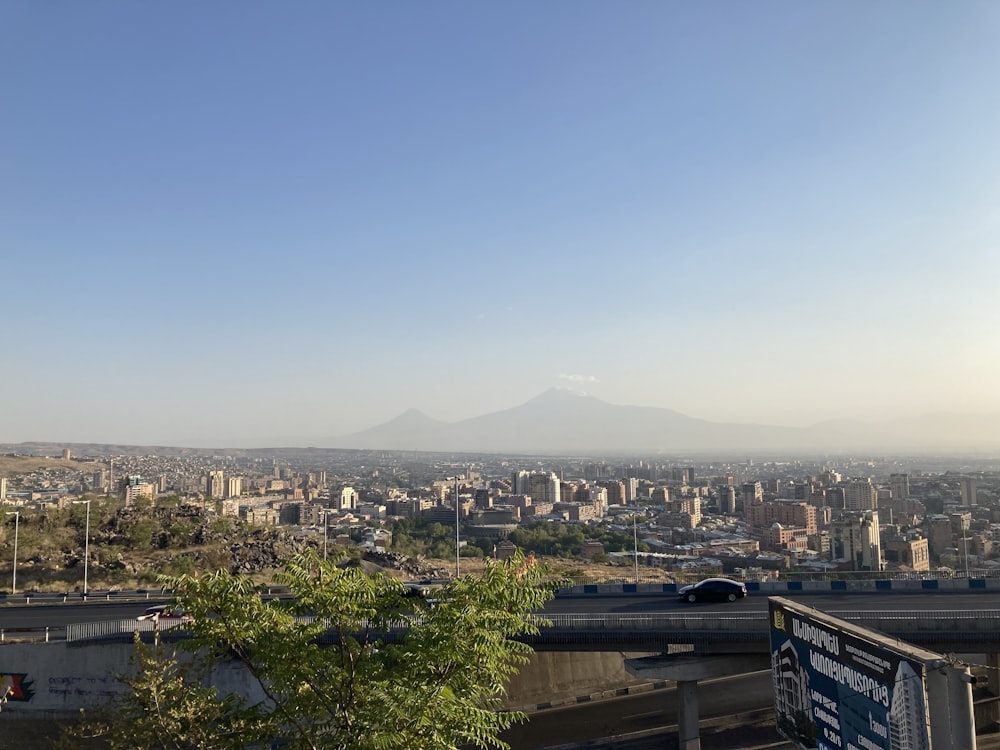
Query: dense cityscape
395, 376
753, 519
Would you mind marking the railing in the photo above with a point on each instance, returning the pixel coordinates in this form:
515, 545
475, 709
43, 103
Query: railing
76, 597
977, 629
626, 576
111, 595
89, 631
982, 619
622, 577
748, 624
19, 635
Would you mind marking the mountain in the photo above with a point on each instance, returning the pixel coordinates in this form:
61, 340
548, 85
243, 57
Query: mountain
564, 422
402, 433
567, 423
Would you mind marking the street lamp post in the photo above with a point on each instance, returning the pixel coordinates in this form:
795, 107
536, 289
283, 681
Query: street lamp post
17, 519
86, 546
635, 547
326, 525
326, 533
458, 550
965, 538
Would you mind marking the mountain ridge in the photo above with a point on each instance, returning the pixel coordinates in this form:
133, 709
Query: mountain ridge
560, 421
565, 422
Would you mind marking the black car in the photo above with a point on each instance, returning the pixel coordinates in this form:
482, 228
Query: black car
714, 589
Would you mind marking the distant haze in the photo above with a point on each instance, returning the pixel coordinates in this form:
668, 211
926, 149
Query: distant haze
253, 224
560, 422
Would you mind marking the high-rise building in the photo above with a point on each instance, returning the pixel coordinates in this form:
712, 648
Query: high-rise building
785, 512
727, 500
969, 489
216, 486
544, 487
834, 497
899, 484
941, 533
598, 497
234, 487
631, 489
616, 491
753, 493
592, 472
346, 499
860, 495
683, 512
3, 488
802, 491
855, 538
539, 485
660, 495
134, 487
519, 482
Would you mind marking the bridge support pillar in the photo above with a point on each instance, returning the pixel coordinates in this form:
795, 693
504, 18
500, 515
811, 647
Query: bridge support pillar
688, 737
686, 670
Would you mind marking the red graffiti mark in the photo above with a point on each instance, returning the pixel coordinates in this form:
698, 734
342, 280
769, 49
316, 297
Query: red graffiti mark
14, 687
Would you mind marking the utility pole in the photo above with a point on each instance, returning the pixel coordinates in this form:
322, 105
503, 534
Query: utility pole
17, 519
86, 546
635, 547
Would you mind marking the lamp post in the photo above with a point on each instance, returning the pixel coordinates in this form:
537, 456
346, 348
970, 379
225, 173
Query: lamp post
86, 545
965, 539
326, 534
326, 525
17, 519
635, 547
458, 552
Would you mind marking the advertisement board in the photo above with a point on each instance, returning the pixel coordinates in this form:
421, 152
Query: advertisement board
840, 687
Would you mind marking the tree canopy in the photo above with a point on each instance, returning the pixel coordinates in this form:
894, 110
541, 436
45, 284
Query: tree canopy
350, 661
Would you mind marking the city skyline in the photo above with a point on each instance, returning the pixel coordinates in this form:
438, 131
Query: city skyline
252, 221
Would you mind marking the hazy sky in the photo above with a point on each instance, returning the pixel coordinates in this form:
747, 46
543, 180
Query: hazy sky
255, 222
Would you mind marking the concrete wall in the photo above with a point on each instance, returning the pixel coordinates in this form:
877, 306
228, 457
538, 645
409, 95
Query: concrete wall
560, 676
58, 679
61, 678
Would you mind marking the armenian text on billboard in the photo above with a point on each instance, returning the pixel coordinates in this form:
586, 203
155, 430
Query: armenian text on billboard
837, 687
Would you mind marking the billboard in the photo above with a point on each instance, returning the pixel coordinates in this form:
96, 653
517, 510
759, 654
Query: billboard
838, 686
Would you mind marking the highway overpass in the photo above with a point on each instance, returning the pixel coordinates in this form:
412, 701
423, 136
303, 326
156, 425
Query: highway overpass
88, 642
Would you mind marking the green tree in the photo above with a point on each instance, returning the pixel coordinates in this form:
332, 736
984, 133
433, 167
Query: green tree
140, 534
350, 662
168, 708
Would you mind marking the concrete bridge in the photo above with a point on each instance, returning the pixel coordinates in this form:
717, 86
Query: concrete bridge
75, 668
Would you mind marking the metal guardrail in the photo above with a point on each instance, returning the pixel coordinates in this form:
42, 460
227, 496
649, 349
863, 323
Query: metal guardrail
91, 631
748, 623
18, 635
985, 620
116, 595
625, 578
49, 597
682, 577
656, 621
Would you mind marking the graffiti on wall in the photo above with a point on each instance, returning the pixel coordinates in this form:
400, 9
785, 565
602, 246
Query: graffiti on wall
85, 687
16, 687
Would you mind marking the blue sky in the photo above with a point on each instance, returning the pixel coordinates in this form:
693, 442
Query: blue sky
250, 222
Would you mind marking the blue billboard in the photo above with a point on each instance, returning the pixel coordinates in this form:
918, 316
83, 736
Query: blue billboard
840, 687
